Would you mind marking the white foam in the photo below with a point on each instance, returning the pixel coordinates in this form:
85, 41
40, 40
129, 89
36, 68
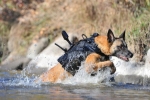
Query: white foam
82, 77
131, 67
44, 61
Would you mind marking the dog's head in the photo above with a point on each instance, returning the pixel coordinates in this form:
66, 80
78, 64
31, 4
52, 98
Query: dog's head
112, 46
119, 47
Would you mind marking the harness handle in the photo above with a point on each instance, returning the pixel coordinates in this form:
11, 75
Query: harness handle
84, 36
95, 34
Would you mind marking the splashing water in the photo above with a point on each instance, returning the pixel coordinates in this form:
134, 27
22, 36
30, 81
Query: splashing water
122, 68
26, 77
82, 77
132, 67
19, 80
44, 61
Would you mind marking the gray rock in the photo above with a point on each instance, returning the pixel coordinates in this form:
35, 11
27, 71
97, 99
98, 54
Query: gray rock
132, 79
37, 47
13, 62
17, 64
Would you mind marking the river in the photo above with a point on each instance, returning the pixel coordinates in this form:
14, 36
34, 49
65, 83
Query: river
20, 87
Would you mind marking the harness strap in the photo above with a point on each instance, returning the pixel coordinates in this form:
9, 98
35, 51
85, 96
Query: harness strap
93, 47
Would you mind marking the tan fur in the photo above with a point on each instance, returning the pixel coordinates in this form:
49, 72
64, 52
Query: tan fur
55, 73
93, 64
116, 43
103, 44
58, 72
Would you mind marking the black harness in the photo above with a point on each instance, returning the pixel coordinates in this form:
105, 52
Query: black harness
71, 60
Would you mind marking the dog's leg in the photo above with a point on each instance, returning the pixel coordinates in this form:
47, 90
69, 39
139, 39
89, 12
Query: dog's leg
93, 63
54, 74
106, 64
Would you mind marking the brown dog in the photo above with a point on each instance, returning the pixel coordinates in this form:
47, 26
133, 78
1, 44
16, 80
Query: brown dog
109, 46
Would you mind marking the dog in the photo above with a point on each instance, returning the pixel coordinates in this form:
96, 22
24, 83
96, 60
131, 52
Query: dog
109, 45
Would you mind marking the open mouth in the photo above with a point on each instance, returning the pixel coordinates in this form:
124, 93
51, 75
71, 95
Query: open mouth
124, 58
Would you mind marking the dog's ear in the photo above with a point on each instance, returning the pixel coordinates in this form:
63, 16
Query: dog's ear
110, 36
123, 35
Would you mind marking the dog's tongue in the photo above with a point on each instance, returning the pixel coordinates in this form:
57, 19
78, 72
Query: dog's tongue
124, 58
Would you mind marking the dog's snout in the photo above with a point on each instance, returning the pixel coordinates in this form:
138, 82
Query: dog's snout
130, 54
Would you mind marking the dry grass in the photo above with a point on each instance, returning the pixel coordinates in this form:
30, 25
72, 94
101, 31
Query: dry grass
84, 16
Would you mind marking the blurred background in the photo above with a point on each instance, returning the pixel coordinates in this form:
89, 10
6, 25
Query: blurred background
26, 22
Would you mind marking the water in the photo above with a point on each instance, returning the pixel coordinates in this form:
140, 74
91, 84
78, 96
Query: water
18, 86
21, 86
73, 92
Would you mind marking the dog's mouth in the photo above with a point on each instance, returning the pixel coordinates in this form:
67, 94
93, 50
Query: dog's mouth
124, 58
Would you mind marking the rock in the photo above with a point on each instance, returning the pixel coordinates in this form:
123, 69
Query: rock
37, 47
132, 79
11, 57
17, 64
14, 61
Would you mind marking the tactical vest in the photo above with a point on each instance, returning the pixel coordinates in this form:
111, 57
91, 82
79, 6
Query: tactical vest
71, 60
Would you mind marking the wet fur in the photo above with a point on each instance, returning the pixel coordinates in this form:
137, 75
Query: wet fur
107, 44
